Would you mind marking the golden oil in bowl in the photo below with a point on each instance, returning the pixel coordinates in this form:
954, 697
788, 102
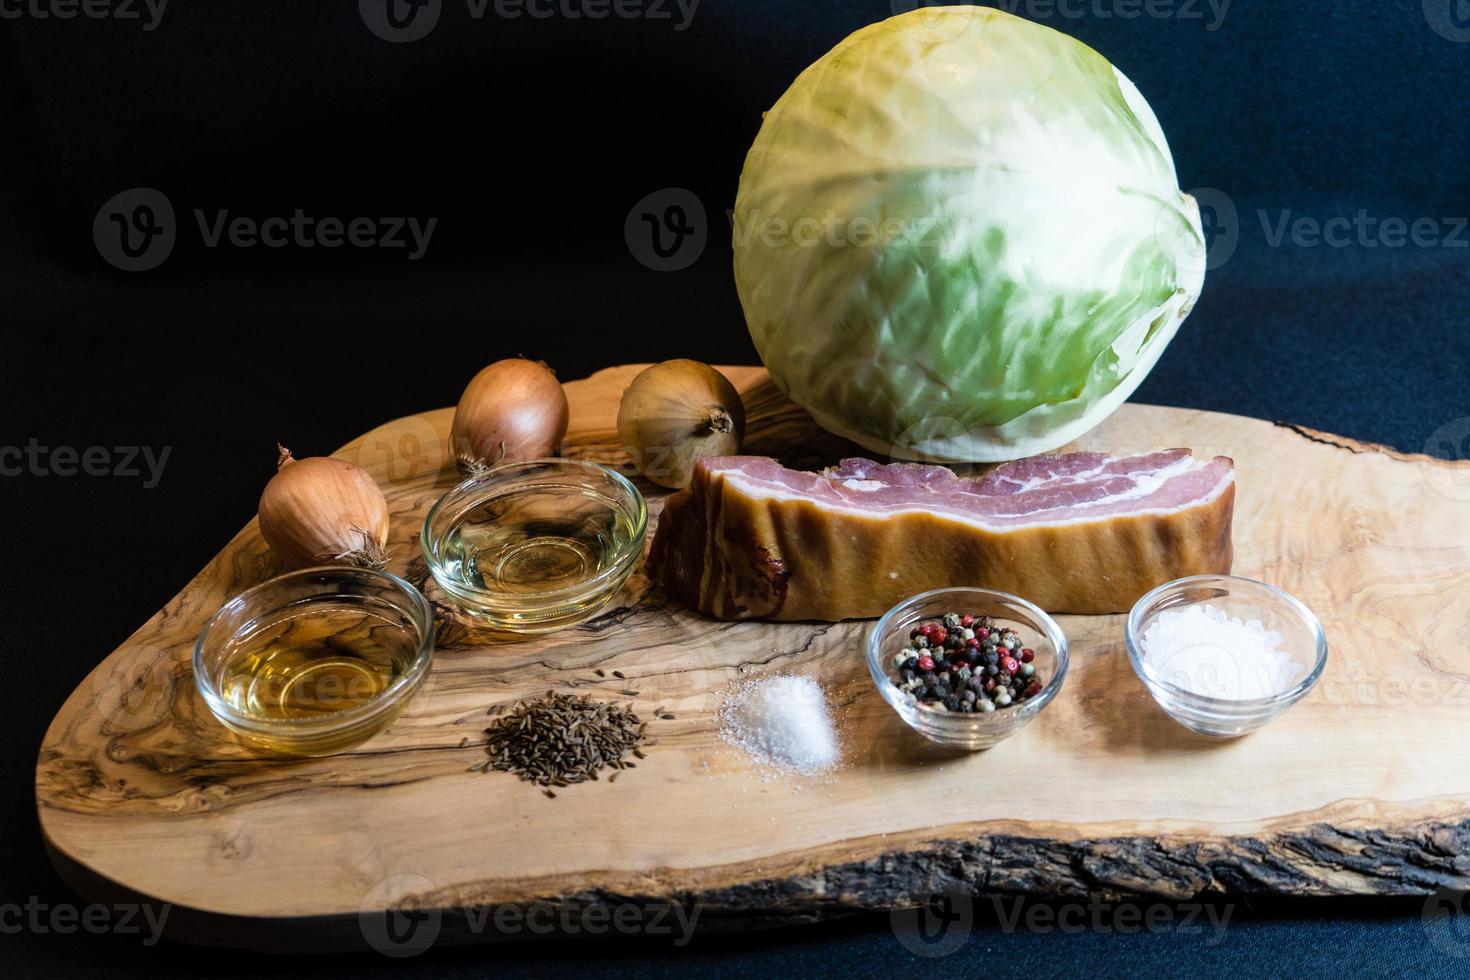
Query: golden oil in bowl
538, 545
339, 658
316, 660
536, 539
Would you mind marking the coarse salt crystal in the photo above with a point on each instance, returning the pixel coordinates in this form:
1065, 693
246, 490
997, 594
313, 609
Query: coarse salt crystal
783, 721
1206, 651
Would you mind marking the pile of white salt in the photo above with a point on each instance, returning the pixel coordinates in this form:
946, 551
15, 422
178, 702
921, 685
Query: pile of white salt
784, 722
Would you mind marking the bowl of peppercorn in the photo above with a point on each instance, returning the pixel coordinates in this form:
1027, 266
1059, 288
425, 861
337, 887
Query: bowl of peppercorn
967, 668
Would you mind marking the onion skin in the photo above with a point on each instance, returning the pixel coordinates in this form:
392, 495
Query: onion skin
674, 414
322, 511
513, 409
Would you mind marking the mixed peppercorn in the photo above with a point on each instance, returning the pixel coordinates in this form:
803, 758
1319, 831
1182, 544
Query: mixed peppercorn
966, 664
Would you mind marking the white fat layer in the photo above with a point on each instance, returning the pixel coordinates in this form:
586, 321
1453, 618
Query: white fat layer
1152, 480
1144, 482
866, 486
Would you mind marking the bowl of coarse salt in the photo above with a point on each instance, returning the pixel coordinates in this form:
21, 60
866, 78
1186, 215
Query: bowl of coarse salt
1224, 655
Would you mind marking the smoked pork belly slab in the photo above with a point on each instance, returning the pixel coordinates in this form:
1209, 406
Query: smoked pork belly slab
1075, 533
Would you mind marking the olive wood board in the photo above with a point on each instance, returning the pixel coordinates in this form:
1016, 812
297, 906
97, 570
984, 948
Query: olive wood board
1362, 788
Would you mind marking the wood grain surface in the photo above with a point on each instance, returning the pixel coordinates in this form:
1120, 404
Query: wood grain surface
1362, 788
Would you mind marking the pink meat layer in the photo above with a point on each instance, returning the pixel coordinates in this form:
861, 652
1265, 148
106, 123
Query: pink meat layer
1029, 492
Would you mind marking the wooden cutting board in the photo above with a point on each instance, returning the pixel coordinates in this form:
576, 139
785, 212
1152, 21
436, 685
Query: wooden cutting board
1362, 788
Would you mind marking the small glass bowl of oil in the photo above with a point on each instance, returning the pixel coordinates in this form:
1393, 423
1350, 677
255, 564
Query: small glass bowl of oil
316, 660
536, 545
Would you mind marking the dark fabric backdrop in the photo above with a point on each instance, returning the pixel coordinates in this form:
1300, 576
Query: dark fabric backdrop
530, 140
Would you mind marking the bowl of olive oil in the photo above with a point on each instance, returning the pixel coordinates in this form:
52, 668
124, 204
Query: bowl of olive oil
316, 660
536, 545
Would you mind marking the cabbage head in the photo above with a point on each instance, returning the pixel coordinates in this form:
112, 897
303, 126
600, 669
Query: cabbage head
959, 236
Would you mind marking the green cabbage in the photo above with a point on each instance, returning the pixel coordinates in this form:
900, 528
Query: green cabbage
959, 236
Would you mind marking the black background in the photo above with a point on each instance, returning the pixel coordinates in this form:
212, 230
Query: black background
530, 140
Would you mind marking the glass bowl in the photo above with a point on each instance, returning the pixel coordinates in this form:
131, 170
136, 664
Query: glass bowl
315, 660
1038, 631
1180, 692
536, 545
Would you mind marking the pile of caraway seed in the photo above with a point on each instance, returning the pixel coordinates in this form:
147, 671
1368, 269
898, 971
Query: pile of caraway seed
560, 739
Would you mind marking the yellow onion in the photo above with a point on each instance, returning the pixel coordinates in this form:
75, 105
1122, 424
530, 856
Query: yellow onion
513, 409
324, 510
675, 413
